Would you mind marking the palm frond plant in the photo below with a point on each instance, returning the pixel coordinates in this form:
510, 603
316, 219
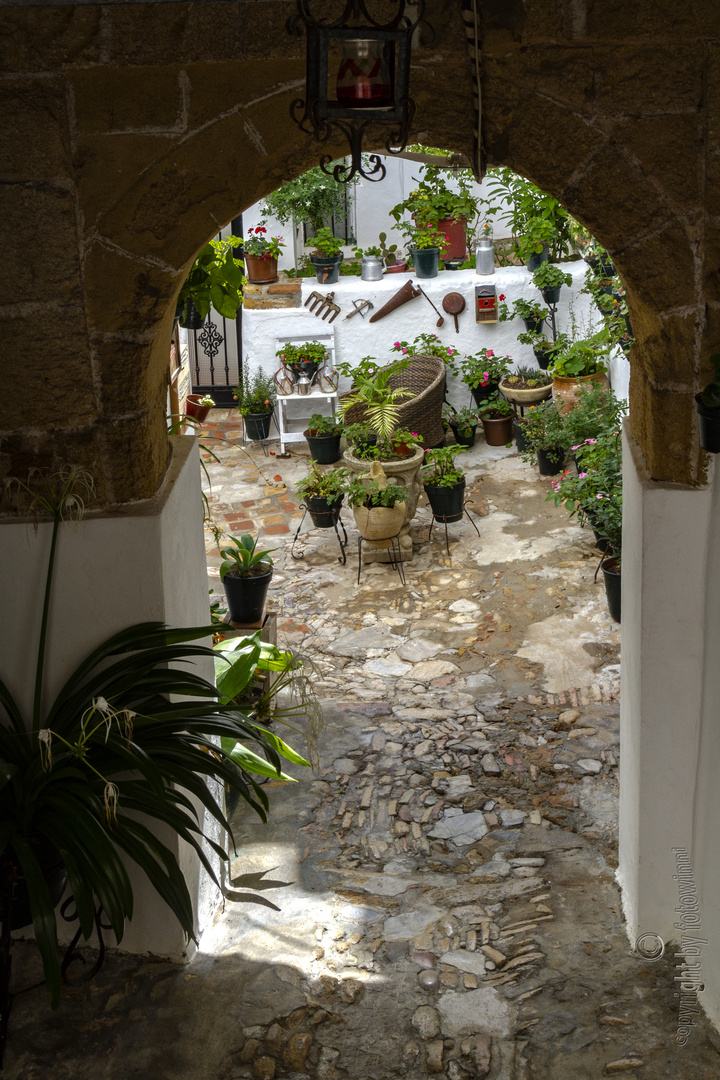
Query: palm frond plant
130, 740
381, 403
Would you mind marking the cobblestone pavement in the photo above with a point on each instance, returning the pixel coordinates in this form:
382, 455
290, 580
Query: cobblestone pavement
451, 908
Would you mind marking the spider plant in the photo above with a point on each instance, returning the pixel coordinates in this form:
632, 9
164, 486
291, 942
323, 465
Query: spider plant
130, 739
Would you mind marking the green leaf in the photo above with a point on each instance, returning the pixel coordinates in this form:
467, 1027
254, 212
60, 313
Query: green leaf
286, 751
43, 916
251, 762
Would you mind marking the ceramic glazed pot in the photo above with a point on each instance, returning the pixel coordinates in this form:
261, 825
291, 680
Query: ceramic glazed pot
498, 432
526, 397
327, 270
260, 271
567, 391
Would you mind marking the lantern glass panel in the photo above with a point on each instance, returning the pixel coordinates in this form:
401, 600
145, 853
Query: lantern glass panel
364, 78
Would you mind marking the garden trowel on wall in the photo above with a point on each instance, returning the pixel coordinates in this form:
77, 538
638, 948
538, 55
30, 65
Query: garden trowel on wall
408, 292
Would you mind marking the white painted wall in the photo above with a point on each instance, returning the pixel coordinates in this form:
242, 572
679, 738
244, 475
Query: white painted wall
670, 736
357, 337
147, 562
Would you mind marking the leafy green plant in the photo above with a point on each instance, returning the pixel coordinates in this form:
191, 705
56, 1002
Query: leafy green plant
549, 276
422, 237
481, 368
206, 401
440, 469
527, 378
261, 246
388, 252
324, 425
535, 217
369, 493
496, 407
244, 559
322, 485
465, 420
380, 401
710, 395
433, 200
405, 436
597, 412
427, 345
522, 309
313, 196
544, 429
255, 393
215, 280
78, 772
314, 351
371, 252
580, 358
324, 244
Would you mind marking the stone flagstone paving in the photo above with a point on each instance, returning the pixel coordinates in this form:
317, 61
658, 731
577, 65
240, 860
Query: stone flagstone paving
451, 909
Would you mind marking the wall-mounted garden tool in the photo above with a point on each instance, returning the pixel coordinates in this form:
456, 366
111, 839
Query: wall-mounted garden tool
323, 304
408, 292
362, 307
454, 304
440, 321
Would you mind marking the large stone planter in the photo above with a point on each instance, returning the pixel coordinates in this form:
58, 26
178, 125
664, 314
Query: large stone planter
404, 471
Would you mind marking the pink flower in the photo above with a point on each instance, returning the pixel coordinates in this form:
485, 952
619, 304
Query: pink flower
404, 350
489, 352
397, 345
599, 496
582, 475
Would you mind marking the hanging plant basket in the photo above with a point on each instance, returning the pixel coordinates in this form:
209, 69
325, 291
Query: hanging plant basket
193, 320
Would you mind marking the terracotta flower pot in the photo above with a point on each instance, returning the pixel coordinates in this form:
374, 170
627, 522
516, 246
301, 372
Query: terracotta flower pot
457, 243
194, 409
260, 271
567, 391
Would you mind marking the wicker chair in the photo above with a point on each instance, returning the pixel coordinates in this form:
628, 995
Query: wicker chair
422, 413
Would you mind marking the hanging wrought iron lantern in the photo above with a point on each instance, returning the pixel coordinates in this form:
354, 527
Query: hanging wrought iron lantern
368, 65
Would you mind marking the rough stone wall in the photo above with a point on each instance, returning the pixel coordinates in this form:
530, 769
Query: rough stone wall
130, 133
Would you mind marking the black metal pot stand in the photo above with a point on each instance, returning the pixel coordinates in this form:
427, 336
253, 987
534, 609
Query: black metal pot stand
326, 518
448, 505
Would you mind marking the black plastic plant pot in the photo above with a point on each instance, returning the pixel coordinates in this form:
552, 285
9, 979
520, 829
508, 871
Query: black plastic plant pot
246, 596
709, 427
520, 440
446, 503
550, 466
543, 358
324, 512
611, 574
464, 440
534, 326
361, 445
257, 425
327, 270
304, 367
601, 542
193, 320
325, 449
551, 294
482, 393
538, 258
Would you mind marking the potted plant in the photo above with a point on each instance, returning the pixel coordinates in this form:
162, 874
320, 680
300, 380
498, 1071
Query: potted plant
245, 573
444, 483
541, 227
256, 396
323, 494
462, 422
608, 515
361, 438
303, 359
198, 406
371, 389
405, 442
427, 345
496, 415
531, 312
578, 365
393, 265
549, 279
261, 254
482, 372
424, 243
83, 770
546, 438
544, 349
432, 203
326, 255
323, 435
371, 262
378, 507
526, 386
599, 261
707, 403
215, 280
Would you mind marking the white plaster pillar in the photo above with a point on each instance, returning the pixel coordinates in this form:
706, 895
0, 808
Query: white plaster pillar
666, 537
144, 562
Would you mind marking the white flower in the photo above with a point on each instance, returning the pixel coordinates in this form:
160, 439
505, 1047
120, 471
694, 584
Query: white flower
45, 743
